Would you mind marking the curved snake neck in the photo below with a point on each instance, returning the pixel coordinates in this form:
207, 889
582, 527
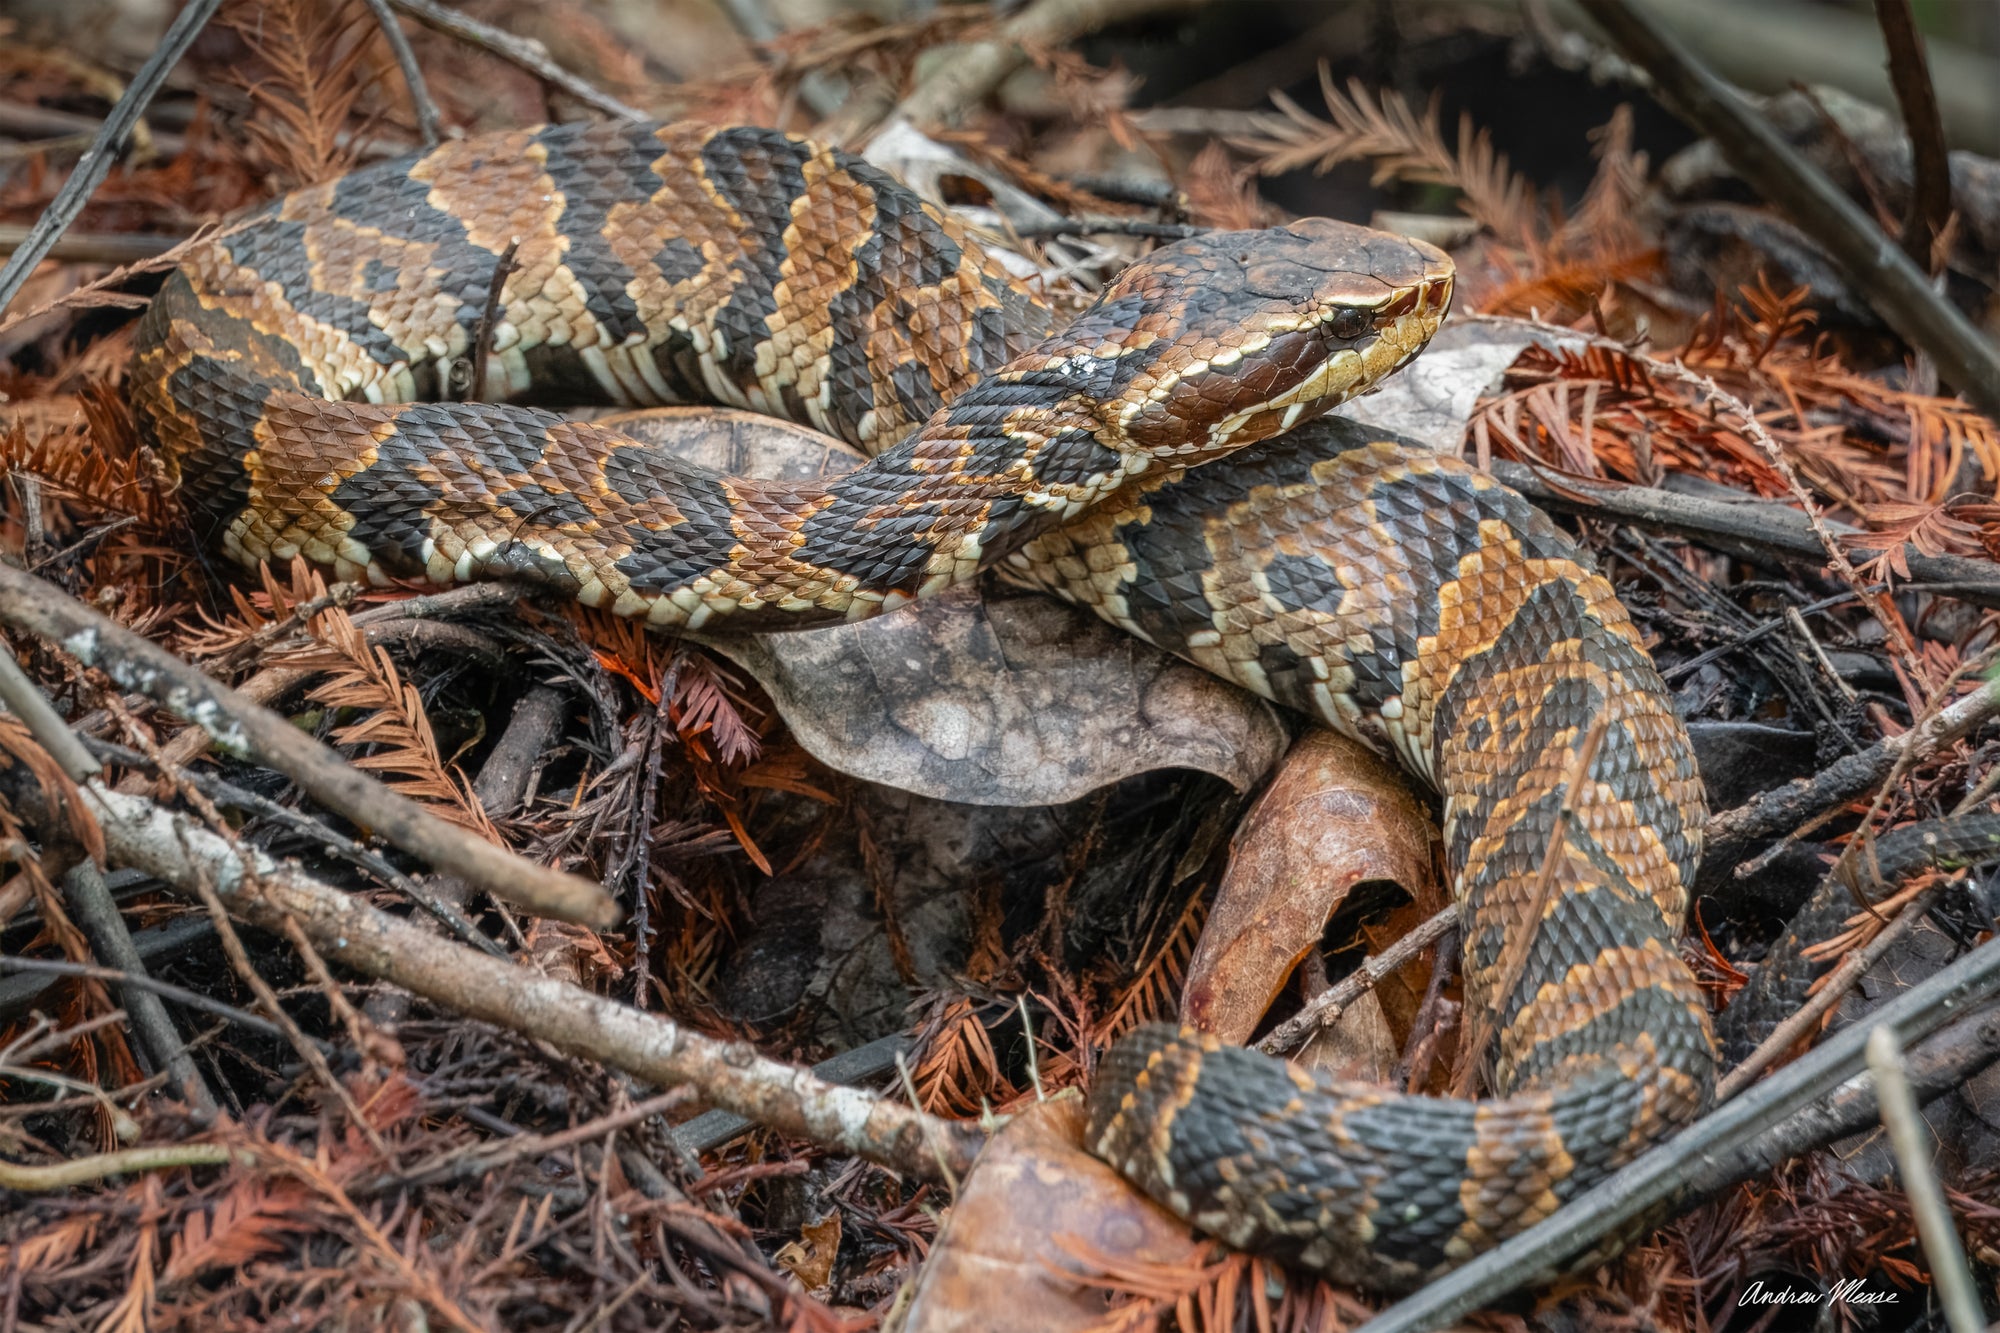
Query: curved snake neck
1393, 594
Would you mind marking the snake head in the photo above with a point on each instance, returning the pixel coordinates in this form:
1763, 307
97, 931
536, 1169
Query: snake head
1230, 338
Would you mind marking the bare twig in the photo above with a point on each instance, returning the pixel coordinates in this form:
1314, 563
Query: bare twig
27, 702
1930, 161
432, 900
87, 1170
264, 737
1911, 1139
1937, 1065
91, 905
167, 989
480, 1159
90, 901
1885, 611
308, 1050
1759, 525
482, 335
972, 73
274, 683
731, 1076
1325, 1007
525, 52
95, 164
1781, 808
23, 119
1898, 289
1831, 988
93, 247
413, 75
1162, 231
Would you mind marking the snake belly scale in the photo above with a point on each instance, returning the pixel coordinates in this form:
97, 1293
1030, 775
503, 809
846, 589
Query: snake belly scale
289, 374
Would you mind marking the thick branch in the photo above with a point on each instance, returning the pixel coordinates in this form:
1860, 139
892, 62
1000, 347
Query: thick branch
1898, 289
95, 164
1760, 525
264, 737
1930, 160
731, 1076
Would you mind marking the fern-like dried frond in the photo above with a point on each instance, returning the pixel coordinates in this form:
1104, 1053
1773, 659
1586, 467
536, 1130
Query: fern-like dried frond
1153, 994
313, 54
256, 1217
958, 1071
1210, 1291
1403, 146
394, 722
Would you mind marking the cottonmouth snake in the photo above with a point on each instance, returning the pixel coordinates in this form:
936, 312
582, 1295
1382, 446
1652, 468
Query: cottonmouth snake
289, 375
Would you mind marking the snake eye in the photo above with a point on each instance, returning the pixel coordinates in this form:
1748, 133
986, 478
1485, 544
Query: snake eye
1352, 323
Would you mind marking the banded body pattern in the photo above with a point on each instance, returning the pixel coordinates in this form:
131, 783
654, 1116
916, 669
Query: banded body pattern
732, 265
291, 374
1407, 599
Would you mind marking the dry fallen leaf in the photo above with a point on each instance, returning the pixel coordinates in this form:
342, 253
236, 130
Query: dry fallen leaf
998, 1267
810, 1257
1336, 816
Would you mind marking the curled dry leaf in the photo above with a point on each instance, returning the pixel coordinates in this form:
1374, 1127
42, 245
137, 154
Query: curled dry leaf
1013, 701
1334, 817
810, 1257
1000, 1265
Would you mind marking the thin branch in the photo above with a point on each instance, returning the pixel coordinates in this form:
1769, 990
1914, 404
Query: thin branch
1831, 988
428, 120
166, 989
1911, 1139
91, 905
728, 1075
262, 736
1836, 559
975, 70
26, 701
1088, 226
88, 1170
1940, 1064
1930, 162
1898, 289
93, 247
485, 1158
95, 164
1325, 1007
525, 52
229, 794
1774, 811
90, 900
1760, 525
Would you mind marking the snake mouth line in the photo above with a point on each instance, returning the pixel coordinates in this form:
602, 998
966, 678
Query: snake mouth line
1406, 320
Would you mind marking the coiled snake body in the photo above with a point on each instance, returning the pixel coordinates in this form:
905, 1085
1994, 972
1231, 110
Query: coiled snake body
283, 374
